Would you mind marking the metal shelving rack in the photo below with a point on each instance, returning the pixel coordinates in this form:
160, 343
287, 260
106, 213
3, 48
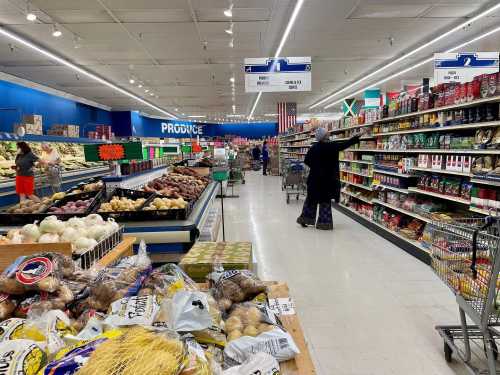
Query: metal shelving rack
409, 245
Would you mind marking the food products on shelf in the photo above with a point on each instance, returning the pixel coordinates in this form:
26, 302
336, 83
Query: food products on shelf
183, 182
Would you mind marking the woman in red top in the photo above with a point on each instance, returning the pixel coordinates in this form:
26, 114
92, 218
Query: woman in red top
25, 176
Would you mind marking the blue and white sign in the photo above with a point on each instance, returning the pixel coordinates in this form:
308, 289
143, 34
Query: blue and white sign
170, 129
278, 74
463, 67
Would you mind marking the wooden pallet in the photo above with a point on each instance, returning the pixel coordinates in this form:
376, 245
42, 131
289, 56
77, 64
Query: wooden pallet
302, 364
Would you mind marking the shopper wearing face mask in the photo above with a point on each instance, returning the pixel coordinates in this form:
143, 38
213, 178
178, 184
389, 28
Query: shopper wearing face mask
323, 182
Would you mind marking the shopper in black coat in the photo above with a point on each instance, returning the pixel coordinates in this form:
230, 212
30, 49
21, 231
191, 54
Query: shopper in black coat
323, 183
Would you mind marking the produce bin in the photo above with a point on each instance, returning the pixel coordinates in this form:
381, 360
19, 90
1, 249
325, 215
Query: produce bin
95, 195
203, 256
126, 215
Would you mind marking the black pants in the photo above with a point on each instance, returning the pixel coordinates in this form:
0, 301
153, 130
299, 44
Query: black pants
264, 166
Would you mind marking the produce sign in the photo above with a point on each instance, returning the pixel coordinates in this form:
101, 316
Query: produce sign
114, 151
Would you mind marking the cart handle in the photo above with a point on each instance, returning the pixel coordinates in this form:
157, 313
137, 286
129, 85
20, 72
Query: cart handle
489, 220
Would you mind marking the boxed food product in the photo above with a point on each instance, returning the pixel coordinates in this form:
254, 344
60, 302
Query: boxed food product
33, 119
72, 131
29, 128
200, 260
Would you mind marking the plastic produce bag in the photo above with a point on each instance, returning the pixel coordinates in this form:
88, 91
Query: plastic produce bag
41, 273
234, 286
7, 306
21, 357
189, 311
249, 319
260, 363
277, 343
137, 310
123, 280
166, 281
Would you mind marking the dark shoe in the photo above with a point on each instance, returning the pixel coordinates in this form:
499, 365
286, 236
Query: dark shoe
303, 222
324, 226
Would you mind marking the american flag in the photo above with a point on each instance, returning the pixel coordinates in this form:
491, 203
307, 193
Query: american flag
287, 116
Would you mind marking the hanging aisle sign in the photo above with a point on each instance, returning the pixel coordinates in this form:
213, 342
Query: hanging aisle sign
278, 74
463, 67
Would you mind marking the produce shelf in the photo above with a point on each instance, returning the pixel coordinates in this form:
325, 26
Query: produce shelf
485, 181
440, 109
357, 185
393, 173
427, 151
403, 211
356, 173
441, 171
400, 190
412, 247
339, 130
442, 128
438, 195
361, 198
356, 161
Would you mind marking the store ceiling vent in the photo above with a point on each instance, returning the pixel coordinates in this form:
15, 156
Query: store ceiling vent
370, 10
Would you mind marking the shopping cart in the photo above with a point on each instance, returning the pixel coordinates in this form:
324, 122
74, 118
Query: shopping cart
293, 180
465, 255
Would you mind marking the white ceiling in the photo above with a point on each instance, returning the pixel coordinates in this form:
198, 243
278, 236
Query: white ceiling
159, 43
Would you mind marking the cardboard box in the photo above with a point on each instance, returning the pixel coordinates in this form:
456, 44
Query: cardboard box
72, 131
202, 257
32, 119
29, 128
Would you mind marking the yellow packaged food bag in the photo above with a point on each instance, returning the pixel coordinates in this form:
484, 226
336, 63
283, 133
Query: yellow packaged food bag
21, 357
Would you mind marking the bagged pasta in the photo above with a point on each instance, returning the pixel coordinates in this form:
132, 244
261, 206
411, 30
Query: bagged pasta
21, 357
234, 286
136, 310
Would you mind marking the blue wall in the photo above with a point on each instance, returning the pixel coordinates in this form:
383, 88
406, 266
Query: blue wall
17, 100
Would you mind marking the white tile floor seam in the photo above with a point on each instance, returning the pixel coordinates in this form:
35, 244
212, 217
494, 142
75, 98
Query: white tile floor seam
365, 305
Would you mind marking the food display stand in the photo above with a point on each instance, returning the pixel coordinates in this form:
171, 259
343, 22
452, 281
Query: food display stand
169, 240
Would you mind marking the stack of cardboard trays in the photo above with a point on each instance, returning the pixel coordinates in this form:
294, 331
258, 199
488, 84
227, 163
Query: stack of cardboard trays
71, 131
204, 256
32, 124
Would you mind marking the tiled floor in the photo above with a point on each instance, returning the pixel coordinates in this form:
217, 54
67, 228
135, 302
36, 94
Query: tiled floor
366, 306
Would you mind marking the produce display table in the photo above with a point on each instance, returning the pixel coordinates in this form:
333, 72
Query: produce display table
302, 364
168, 240
122, 250
134, 181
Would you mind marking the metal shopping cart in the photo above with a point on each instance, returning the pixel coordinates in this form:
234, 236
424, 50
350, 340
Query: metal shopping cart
465, 255
293, 180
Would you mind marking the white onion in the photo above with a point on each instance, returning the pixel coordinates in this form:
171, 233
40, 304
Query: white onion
30, 232
49, 225
48, 238
70, 234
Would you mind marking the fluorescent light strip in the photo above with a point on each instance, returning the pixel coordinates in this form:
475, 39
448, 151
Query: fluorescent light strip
76, 68
416, 50
289, 26
493, 31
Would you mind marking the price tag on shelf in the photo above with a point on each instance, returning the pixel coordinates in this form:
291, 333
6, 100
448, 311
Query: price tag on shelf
282, 306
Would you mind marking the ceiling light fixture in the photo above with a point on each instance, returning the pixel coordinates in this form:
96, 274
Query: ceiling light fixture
230, 30
231, 79
30, 16
229, 11
419, 64
147, 90
140, 85
284, 38
151, 94
271, 114
406, 55
80, 70
56, 32
197, 116
132, 81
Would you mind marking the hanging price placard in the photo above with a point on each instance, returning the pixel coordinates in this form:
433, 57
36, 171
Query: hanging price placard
113, 151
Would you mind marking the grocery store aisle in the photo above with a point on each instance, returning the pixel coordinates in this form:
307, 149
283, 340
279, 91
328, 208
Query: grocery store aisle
366, 306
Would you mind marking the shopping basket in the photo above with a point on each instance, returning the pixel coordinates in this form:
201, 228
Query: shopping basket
465, 255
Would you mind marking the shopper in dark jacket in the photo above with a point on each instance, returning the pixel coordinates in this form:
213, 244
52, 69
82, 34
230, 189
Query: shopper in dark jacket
256, 153
323, 183
265, 158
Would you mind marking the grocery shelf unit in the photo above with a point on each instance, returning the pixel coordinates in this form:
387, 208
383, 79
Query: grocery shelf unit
391, 126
